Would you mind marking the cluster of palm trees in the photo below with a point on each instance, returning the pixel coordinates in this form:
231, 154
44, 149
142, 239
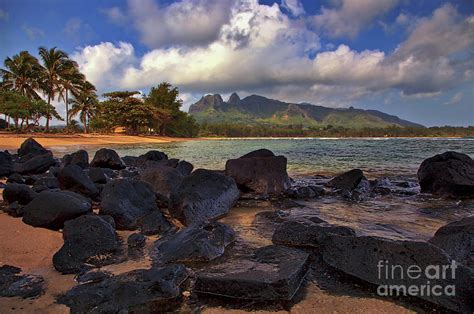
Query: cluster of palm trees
55, 77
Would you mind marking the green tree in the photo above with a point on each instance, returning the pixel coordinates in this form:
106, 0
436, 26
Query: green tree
72, 80
21, 74
84, 104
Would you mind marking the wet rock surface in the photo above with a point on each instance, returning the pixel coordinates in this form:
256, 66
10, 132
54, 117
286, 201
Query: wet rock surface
154, 223
141, 290
273, 273
347, 181
203, 195
259, 171
450, 174
14, 284
127, 201
89, 241
51, 209
196, 243
107, 158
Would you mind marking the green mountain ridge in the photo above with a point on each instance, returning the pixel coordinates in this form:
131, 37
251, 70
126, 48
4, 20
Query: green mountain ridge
255, 110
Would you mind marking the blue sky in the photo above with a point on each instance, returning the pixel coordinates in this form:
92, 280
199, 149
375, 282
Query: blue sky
414, 59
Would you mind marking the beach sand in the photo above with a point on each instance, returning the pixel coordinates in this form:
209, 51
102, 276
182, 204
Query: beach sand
10, 141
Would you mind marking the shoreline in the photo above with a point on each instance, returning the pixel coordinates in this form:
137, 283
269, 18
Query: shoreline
11, 141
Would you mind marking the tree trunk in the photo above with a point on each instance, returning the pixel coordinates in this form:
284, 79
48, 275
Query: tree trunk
47, 114
67, 110
84, 122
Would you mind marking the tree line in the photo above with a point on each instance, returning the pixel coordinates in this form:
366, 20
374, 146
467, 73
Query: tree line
57, 77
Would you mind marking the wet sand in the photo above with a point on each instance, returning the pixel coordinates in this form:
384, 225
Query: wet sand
10, 141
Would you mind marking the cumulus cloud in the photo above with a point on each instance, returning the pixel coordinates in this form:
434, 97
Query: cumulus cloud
185, 22
260, 49
455, 99
295, 7
351, 16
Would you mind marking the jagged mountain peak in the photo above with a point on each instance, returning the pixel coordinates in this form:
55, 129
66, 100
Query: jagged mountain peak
234, 99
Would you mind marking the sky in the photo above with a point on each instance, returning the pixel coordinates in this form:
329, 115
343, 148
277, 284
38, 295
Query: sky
411, 58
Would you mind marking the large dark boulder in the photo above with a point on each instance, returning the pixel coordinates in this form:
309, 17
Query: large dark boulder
138, 291
369, 258
73, 178
127, 201
185, 167
259, 171
273, 273
203, 195
13, 284
36, 164
457, 239
107, 158
449, 174
6, 164
306, 233
154, 155
79, 158
50, 209
97, 175
197, 243
88, 241
347, 181
46, 183
20, 193
154, 223
164, 180
30, 148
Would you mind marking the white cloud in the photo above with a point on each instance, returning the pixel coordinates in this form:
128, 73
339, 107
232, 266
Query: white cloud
33, 32
295, 7
115, 15
261, 49
186, 22
455, 99
351, 16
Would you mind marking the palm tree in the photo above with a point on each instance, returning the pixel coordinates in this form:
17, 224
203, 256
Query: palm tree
55, 63
71, 81
85, 104
22, 74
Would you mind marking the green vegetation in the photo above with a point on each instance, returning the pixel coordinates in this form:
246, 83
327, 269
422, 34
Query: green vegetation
57, 77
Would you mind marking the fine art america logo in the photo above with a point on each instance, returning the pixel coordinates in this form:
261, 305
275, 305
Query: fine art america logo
413, 280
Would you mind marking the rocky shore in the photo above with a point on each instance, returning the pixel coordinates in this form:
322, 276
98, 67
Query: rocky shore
111, 210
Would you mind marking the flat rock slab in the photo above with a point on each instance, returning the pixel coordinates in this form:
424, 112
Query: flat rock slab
141, 290
273, 273
14, 284
369, 258
197, 243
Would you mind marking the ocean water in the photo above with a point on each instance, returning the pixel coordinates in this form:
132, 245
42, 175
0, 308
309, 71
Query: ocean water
375, 156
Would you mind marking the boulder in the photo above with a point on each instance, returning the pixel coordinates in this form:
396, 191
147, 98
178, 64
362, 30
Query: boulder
97, 175
89, 241
6, 164
107, 158
306, 233
50, 209
137, 291
127, 201
130, 161
46, 183
360, 193
73, 178
197, 243
16, 178
164, 180
35, 165
259, 172
14, 284
273, 273
347, 181
154, 223
370, 258
457, 239
185, 167
154, 155
21, 193
203, 195
30, 147
449, 174
79, 158
305, 192
94, 275
14, 209
136, 241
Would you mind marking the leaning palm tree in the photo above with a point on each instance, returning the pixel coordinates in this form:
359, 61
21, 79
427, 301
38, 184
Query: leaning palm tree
71, 81
85, 104
22, 74
55, 63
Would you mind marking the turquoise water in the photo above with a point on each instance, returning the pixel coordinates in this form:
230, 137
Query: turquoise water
376, 156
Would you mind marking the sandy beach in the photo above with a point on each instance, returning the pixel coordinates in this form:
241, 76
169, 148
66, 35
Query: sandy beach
11, 141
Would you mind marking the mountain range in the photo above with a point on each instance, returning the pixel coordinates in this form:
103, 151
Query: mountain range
255, 109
